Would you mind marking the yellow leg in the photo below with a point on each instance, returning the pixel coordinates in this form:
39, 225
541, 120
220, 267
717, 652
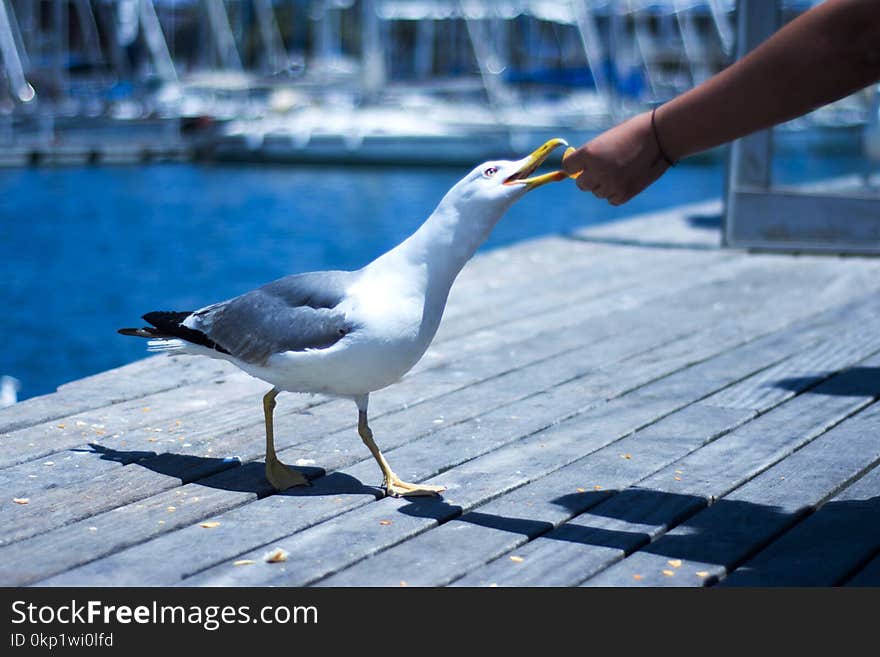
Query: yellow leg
279, 475
393, 485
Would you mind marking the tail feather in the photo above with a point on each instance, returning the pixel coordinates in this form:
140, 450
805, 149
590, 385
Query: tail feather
168, 332
172, 344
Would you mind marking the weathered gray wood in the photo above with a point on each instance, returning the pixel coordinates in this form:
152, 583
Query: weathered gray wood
594, 540
826, 547
138, 379
57, 506
807, 368
475, 549
693, 226
731, 370
480, 396
362, 531
475, 537
721, 537
799, 221
156, 415
599, 278
524, 360
39, 519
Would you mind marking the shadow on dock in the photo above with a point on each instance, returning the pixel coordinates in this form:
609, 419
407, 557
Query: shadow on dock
231, 475
854, 382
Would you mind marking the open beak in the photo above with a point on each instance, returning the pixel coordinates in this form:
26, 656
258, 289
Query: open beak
529, 164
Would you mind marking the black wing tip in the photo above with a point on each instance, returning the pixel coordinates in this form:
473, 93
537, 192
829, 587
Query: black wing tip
169, 324
161, 318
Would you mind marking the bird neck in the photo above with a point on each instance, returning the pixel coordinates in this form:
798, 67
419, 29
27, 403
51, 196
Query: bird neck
447, 240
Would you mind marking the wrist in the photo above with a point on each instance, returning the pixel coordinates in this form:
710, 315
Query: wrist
664, 154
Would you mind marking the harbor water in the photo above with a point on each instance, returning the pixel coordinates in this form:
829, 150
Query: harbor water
86, 250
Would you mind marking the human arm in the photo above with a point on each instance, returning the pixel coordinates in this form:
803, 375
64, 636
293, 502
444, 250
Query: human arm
825, 54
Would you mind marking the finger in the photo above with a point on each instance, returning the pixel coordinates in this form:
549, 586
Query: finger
600, 192
575, 161
586, 183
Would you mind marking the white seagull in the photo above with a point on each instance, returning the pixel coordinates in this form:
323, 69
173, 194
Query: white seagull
347, 334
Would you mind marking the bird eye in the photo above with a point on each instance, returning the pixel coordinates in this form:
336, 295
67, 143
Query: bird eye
491, 171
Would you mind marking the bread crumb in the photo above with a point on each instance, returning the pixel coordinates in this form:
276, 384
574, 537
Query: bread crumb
275, 556
516, 559
21, 500
210, 524
243, 562
675, 563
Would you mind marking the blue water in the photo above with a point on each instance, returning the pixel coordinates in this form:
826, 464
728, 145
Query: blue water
86, 250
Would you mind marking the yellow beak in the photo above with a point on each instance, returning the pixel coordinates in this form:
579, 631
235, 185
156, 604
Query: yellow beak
530, 164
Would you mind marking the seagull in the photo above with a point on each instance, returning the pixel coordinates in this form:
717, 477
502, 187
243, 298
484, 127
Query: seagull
346, 334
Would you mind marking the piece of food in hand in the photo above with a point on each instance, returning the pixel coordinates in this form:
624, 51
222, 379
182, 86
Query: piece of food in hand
569, 151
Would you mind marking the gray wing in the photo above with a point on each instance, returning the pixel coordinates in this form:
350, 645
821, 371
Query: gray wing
294, 313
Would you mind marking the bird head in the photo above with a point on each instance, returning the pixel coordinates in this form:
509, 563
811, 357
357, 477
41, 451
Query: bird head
497, 184
473, 206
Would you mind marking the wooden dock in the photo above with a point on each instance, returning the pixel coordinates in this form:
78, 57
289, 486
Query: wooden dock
627, 406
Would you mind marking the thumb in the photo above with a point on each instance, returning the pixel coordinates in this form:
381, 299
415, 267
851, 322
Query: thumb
575, 160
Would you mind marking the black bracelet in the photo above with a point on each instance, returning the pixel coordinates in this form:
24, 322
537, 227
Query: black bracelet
663, 154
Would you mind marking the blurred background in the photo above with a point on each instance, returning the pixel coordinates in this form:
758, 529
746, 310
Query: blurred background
166, 154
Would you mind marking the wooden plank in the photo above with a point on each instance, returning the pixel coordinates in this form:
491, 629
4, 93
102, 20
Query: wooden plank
771, 348
492, 278
362, 530
692, 226
719, 538
479, 535
798, 221
783, 380
53, 507
401, 455
826, 547
472, 401
593, 541
563, 307
601, 276
472, 547
141, 378
819, 277
155, 415
129, 524
92, 489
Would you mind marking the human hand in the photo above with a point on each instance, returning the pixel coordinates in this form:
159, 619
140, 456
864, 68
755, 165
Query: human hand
619, 163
